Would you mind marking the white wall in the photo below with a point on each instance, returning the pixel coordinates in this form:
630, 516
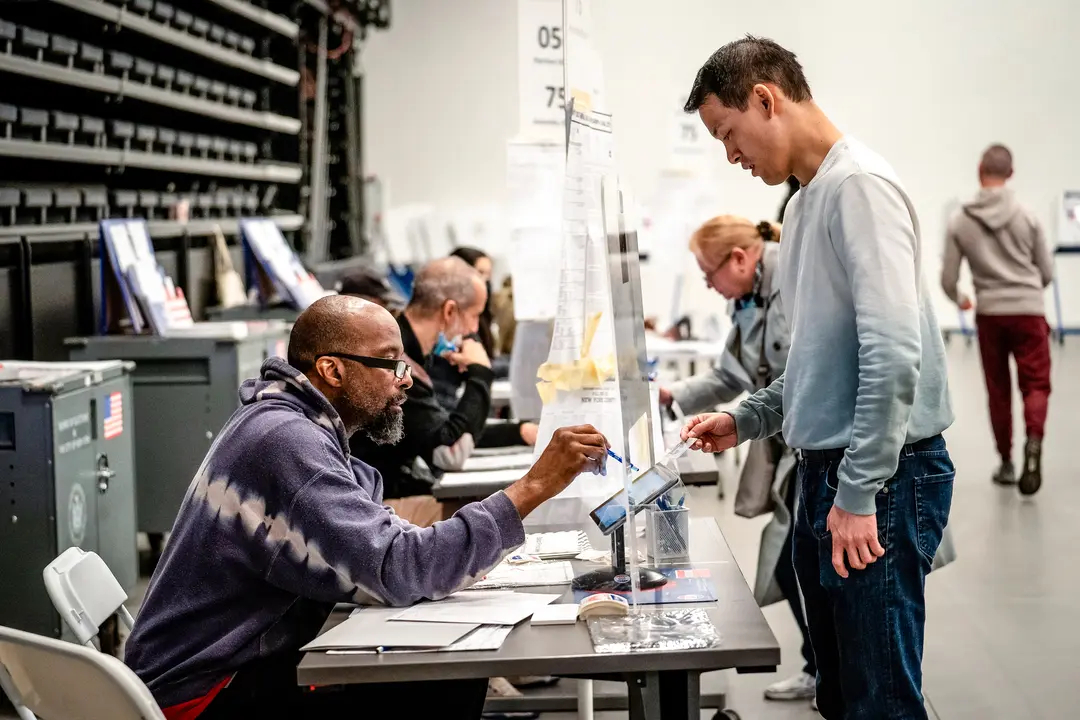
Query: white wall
927, 83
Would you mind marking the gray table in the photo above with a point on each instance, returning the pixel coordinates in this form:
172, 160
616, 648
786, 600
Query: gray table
660, 685
475, 485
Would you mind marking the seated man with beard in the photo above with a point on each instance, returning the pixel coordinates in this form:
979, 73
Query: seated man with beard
281, 522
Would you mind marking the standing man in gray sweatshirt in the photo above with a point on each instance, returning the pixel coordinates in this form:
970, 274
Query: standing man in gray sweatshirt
1010, 266
864, 398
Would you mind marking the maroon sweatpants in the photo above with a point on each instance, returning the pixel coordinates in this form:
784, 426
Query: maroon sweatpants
1027, 339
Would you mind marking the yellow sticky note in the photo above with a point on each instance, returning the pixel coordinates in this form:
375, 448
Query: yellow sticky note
582, 100
605, 367
568, 379
547, 392
548, 372
590, 332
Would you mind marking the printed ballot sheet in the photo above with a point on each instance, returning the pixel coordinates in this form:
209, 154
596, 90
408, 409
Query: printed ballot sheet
481, 607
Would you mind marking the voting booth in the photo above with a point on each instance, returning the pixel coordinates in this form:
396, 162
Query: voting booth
186, 374
66, 461
272, 268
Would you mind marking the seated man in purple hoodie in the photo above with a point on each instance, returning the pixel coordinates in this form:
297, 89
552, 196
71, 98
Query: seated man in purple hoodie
280, 523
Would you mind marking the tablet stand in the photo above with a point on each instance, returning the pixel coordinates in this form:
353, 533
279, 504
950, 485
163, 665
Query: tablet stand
615, 578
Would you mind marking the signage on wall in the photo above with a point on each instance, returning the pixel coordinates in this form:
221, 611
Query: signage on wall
1069, 220
542, 96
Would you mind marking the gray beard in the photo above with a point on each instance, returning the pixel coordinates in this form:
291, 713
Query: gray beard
386, 428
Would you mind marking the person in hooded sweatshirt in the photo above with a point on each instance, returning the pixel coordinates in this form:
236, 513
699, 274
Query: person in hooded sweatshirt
281, 522
1010, 265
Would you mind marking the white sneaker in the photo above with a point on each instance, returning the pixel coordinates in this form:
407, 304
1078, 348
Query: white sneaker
799, 687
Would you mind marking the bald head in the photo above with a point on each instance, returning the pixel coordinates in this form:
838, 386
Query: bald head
996, 163
446, 279
339, 323
347, 347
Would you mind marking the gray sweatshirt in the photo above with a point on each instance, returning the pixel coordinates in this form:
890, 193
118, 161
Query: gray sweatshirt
866, 369
1006, 250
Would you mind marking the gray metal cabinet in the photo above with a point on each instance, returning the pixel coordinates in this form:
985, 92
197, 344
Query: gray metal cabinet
185, 388
66, 479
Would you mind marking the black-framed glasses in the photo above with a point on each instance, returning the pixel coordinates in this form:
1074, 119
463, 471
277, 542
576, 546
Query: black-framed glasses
400, 367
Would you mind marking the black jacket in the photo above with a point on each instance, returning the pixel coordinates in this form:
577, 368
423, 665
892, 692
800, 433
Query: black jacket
428, 426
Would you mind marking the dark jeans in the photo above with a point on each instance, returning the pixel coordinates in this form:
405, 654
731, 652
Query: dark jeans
789, 585
867, 631
267, 690
1027, 339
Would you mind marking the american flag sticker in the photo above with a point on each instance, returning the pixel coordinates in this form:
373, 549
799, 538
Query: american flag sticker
114, 415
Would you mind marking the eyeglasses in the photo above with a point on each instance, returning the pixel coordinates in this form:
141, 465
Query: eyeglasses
400, 367
709, 275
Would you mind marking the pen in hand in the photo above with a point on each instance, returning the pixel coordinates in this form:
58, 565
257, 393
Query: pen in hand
612, 455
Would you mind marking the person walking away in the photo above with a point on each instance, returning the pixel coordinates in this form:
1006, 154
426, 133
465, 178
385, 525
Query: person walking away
739, 261
1011, 265
864, 397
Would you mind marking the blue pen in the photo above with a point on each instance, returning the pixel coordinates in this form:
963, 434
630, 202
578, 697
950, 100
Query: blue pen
616, 457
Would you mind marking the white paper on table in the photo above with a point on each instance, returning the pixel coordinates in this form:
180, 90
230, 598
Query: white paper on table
533, 574
485, 637
494, 477
369, 628
499, 462
483, 607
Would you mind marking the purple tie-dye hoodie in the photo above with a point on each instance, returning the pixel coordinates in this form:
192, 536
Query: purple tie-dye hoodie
278, 525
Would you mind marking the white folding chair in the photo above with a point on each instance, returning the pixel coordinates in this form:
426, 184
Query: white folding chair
51, 678
85, 593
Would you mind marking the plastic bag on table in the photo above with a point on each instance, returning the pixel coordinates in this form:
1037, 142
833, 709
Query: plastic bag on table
683, 629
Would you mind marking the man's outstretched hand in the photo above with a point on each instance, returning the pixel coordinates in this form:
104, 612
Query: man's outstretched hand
715, 432
855, 535
571, 451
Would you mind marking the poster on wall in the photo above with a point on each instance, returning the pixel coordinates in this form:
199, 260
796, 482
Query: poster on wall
1069, 220
542, 96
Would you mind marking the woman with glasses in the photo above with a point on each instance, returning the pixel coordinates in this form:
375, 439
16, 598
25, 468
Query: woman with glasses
738, 260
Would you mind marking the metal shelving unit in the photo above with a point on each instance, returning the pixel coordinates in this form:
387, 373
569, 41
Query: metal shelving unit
266, 172
159, 109
269, 20
159, 31
101, 82
158, 228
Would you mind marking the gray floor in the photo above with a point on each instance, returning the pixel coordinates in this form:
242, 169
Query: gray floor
1002, 635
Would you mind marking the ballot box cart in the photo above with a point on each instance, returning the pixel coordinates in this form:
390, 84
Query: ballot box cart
67, 478
185, 388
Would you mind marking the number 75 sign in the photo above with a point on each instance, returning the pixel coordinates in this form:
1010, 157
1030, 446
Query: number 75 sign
542, 97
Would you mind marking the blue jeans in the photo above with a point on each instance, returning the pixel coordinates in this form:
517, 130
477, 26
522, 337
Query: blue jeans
867, 630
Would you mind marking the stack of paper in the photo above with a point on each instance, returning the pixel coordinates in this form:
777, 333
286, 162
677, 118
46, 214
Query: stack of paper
477, 620
477, 607
552, 545
531, 574
483, 463
368, 629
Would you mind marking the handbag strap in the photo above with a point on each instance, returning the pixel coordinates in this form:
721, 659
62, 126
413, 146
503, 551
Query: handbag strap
764, 372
